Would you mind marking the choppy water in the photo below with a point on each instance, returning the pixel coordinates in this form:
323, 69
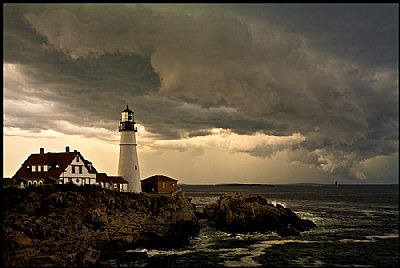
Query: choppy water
358, 226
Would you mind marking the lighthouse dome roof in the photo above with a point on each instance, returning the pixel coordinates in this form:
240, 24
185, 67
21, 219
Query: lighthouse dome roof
127, 110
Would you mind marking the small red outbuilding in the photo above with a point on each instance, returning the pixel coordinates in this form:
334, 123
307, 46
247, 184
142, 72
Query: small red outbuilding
159, 184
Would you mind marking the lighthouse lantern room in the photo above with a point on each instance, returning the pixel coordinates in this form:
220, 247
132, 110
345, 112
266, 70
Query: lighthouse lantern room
128, 166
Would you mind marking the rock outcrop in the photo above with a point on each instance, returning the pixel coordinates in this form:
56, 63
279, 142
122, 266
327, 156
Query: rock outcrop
66, 225
244, 213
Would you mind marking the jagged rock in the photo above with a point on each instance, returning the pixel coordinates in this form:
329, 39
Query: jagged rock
243, 213
76, 226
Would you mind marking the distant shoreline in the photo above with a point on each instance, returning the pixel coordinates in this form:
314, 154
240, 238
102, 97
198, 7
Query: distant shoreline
289, 184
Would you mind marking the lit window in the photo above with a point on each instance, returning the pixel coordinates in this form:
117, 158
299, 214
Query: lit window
124, 116
45, 168
33, 168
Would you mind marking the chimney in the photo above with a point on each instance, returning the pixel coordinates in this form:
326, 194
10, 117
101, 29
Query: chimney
67, 149
41, 151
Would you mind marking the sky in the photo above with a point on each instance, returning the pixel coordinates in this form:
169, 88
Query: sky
222, 93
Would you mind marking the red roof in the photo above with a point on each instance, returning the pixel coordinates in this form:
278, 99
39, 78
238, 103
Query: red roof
102, 177
58, 162
117, 179
159, 178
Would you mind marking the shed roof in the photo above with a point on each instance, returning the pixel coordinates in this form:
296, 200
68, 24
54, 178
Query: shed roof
159, 178
117, 179
102, 177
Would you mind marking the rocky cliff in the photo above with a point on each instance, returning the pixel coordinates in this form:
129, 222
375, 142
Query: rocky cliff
243, 213
66, 225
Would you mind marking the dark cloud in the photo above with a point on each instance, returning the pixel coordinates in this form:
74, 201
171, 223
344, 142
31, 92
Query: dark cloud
328, 72
364, 33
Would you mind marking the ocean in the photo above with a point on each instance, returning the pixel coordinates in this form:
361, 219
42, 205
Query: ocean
357, 226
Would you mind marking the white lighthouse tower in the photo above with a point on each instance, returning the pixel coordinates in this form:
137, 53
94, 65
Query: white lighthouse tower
128, 166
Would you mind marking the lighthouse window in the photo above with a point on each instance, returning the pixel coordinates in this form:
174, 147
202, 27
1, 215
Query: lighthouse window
125, 117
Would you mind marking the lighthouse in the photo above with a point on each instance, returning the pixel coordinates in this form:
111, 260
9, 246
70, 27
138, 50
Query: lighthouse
128, 166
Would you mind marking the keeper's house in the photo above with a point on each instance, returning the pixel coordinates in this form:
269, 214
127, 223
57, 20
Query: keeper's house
159, 184
62, 168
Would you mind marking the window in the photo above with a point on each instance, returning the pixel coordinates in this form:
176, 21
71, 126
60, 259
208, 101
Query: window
80, 169
73, 169
115, 185
77, 180
163, 185
135, 167
77, 158
125, 116
45, 168
33, 168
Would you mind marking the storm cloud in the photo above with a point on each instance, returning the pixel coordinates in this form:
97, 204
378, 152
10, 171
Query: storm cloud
320, 82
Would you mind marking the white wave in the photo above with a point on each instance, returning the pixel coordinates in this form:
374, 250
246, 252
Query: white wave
274, 202
245, 261
254, 251
387, 236
346, 240
306, 262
